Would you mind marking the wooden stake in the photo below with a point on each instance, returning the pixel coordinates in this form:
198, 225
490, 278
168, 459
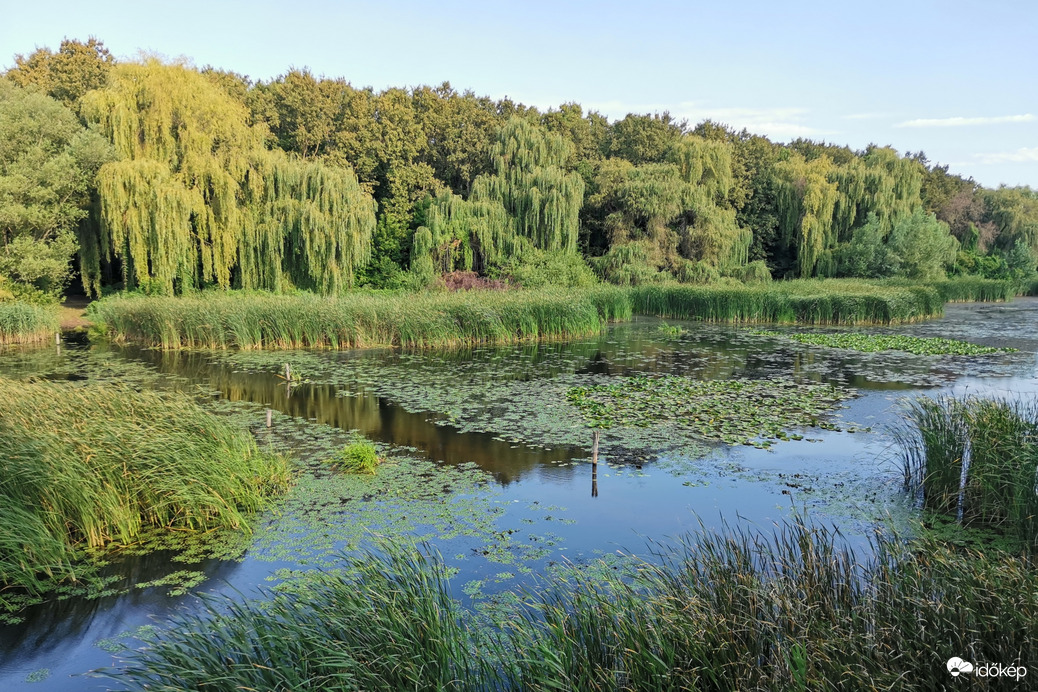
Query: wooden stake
594, 465
288, 373
270, 417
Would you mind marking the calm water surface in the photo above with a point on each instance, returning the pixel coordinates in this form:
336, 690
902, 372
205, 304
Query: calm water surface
497, 418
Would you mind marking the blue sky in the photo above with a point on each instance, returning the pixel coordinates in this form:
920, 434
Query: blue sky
955, 79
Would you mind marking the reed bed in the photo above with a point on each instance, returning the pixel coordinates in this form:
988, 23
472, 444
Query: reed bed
810, 302
963, 289
251, 321
729, 610
24, 323
975, 459
419, 320
96, 465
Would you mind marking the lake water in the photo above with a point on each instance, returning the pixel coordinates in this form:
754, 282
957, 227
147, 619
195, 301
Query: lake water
489, 465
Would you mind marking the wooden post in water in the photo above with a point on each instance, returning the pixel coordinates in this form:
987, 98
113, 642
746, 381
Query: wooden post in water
57, 338
594, 465
270, 417
288, 373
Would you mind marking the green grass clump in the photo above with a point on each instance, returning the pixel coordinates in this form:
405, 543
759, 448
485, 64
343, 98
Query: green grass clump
92, 466
751, 412
356, 320
359, 456
975, 459
872, 343
974, 288
24, 323
735, 609
816, 302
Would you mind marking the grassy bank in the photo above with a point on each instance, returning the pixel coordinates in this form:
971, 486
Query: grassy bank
976, 460
733, 610
963, 289
810, 302
24, 323
254, 320
90, 466
247, 321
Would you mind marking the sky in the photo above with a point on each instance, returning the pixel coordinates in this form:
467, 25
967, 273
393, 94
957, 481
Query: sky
951, 78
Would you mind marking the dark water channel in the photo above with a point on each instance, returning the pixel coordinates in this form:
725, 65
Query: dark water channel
490, 464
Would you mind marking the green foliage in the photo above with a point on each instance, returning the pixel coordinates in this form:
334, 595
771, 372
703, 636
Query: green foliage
47, 163
923, 246
755, 272
866, 255
975, 459
359, 456
75, 69
89, 466
723, 610
629, 264
803, 302
197, 200
750, 412
697, 273
357, 320
25, 323
538, 269
872, 343
806, 200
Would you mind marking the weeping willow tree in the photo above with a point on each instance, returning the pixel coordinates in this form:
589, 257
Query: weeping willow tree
531, 183
197, 200
806, 200
464, 235
709, 232
881, 183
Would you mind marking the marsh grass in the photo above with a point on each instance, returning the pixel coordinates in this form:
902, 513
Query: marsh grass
812, 302
418, 320
976, 289
359, 456
975, 459
98, 465
357, 320
734, 609
23, 323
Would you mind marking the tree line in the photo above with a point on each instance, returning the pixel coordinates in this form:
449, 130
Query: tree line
166, 178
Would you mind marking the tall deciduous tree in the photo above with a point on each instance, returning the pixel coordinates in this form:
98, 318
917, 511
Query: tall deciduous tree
197, 200
47, 164
75, 69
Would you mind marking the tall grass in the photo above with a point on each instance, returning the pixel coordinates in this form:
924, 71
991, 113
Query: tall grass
975, 459
803, 302
89, 466
974, 288
254, 320
22, 323
731, 610
222, 320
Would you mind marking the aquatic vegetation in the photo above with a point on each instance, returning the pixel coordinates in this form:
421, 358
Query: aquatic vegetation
975, 288
99, 465
817, 302
671, 330
359, 456
27, 323
733, 609
872, 343
357, 320
753, 412
975, 459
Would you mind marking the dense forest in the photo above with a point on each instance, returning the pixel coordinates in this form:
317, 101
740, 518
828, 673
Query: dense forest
158, 176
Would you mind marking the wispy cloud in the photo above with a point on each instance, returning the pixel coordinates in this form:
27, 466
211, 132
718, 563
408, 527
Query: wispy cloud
778, 123
962, 122
1022, 155
866, 116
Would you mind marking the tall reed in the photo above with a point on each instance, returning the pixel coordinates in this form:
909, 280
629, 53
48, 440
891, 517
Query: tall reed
255, 320
92, 465
975, 459
735, 609
803, 302
23, 323
974, 288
